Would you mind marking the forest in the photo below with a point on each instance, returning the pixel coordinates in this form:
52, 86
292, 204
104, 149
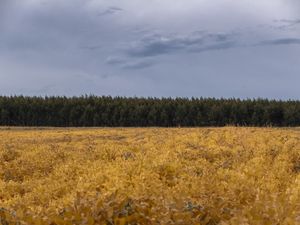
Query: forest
107, 111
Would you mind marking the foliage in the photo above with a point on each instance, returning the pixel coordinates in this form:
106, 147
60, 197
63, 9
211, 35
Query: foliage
132, 112
150, 176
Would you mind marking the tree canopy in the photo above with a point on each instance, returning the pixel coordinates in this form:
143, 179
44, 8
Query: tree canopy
143, 112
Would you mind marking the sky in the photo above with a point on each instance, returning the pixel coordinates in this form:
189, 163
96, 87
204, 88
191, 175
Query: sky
156, 48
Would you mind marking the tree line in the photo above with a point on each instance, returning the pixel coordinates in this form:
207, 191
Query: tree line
106, 111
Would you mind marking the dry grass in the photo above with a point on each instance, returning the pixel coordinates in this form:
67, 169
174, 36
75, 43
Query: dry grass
150, 176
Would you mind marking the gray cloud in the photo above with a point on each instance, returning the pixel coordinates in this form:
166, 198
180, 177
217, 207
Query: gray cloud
157, 47
115, 61
92, 48
288, 21
217, 46
282, 41
154, 46
284, 24
136, 65
129, 63
197, 41
110, 11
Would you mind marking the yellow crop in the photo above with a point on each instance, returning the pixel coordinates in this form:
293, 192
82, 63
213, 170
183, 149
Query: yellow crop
150, 176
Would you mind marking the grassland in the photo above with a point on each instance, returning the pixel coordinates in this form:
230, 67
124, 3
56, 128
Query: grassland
150, 176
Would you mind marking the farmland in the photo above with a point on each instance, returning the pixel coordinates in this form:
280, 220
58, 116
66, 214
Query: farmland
150, 176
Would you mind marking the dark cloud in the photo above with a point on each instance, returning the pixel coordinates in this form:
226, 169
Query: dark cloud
129, 63
282, 41
156, 47
110, 11
291, 22
198, 41
217, 46
285, 24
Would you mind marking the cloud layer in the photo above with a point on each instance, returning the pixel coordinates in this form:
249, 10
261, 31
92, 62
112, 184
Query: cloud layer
219, 48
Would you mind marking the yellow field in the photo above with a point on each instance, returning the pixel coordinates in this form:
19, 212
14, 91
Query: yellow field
150, 176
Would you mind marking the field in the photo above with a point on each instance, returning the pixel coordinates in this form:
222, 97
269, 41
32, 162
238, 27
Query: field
150, 176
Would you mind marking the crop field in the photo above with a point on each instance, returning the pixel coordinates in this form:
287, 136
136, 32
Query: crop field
159, 176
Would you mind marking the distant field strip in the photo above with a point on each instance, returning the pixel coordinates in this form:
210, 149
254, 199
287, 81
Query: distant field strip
150, 176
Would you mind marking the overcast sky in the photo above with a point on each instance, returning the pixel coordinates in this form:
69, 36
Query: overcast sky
210, 48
